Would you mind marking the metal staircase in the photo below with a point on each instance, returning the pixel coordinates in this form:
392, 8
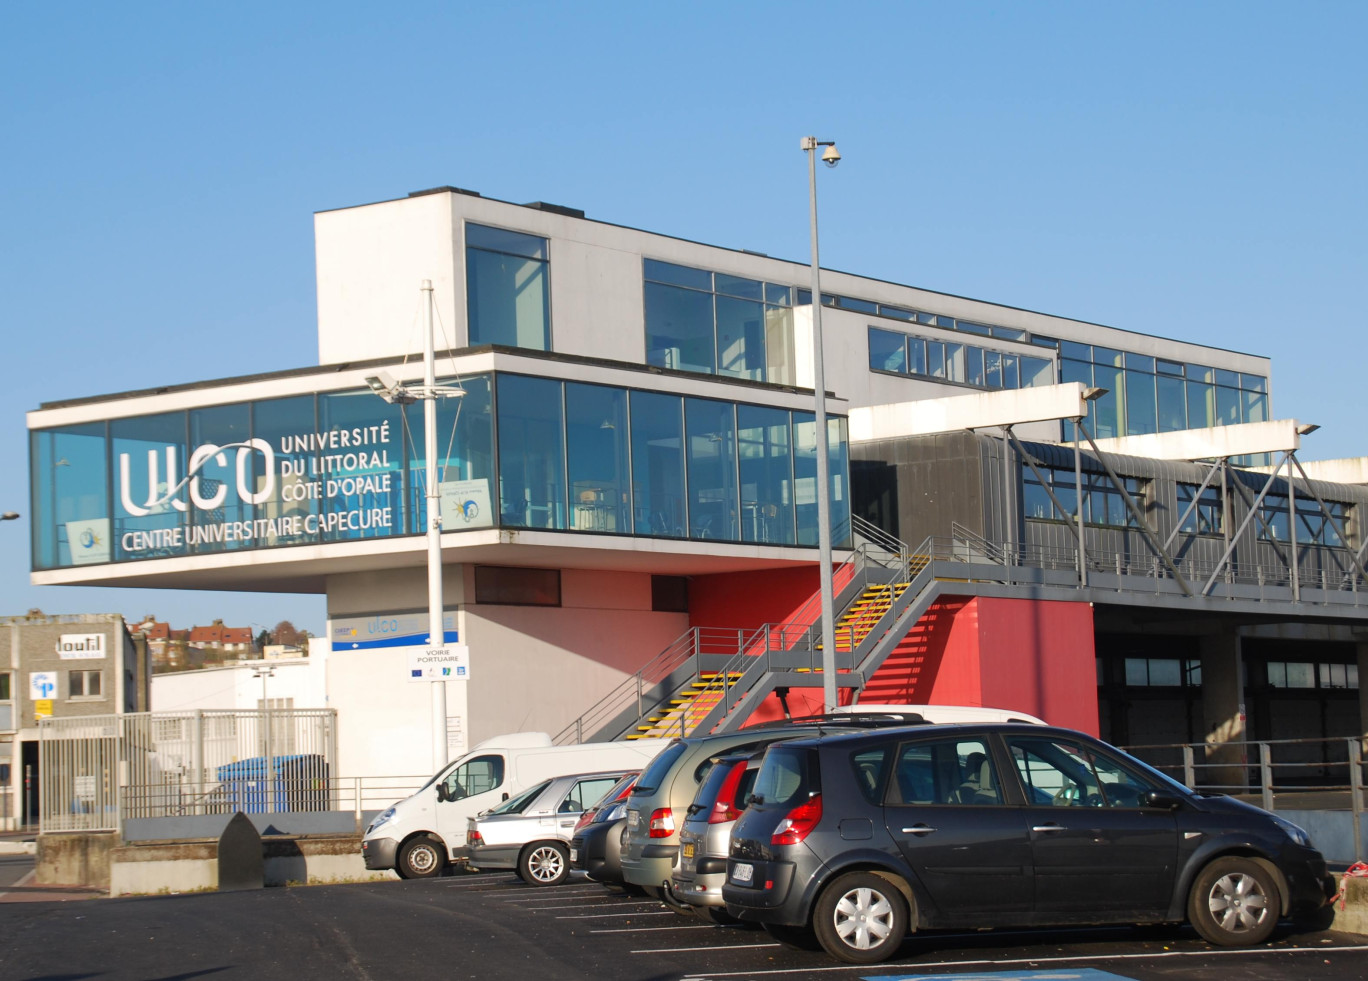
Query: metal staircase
711, 679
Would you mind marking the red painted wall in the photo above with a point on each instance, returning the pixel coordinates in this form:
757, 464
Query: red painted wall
1041, 654
745, 600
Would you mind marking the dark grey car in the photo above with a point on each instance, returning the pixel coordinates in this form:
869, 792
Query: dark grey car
849, 841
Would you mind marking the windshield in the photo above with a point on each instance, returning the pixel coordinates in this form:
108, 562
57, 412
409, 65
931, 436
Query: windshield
475, 776
516, 805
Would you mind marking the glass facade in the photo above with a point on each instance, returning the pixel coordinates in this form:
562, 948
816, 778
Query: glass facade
1151, 395
1312, 526
713, 323
515, 451
1103, 503
508, 288
909, 354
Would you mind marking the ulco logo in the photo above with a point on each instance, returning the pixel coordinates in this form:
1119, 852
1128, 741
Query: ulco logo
163, 488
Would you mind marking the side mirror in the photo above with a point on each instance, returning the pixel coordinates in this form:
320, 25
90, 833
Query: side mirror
505, 796
1161, 801
441, 792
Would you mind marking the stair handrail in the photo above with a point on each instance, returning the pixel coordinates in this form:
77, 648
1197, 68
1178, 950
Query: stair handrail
680, 651
875, 535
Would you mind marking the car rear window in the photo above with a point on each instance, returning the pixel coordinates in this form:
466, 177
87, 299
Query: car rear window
707, 790
659, 767
516, 805
786, 776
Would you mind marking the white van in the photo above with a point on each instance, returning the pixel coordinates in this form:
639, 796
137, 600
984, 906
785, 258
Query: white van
418, 836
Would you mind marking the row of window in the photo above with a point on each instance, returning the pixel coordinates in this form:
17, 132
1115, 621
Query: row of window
526, 452
968, 364
1160, 672
598, 458
714, 323
1104, 506
80, 684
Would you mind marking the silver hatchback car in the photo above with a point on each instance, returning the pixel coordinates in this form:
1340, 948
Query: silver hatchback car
705, 838
531, 832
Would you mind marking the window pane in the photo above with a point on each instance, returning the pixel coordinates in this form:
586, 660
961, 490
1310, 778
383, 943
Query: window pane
71, 508
887, 350
916, 356
1141, 407
1168, 367
1106, 411
1105, 356
1009, 333
658, 464
531, 452
1301, 675
780, 355
983, 330
935, 359
596, 455
896, 313
517, 587
1075, 371
973, 366
1075, 351
355, 502
1010, 378
1230, 379
508, 300
1172, 404
778, 295
992, 369
837, 438
502, 240
860, 306
1201, 405
766, 475
954, 362
1166, 672
1254, 383
805, 476
746, 289
1035, 372
153, 452
679, 328
1139, 362
1255, 407
740, 338
713, 492
1227, 407
668, 272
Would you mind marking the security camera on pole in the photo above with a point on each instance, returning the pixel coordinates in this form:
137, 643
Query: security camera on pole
831, 157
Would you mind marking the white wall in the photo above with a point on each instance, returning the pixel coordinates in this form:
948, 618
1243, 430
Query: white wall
234, 687
371, 259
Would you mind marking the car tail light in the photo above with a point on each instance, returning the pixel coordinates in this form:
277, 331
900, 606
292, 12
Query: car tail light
585, 818
662, 823
801, 820
724, 809
474, 838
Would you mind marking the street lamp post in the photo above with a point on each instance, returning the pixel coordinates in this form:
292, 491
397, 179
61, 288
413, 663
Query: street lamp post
396, 392
830, 156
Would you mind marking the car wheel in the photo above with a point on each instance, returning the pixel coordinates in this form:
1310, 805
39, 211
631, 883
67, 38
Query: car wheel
797, 937
421, 858
860, 918
1234, 902
545, 863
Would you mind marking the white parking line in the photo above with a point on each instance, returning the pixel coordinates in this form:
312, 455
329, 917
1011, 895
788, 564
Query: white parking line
679, 926
640, 902
919, 967
689, 950
607, 916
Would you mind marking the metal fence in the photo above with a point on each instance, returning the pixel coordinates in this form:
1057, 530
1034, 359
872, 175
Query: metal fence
97, 771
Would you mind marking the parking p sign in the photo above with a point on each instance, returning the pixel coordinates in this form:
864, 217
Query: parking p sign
42, 684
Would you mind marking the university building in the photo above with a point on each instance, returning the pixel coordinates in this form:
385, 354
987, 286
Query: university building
629, 500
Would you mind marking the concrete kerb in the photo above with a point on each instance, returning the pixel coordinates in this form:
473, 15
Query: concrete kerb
18, 848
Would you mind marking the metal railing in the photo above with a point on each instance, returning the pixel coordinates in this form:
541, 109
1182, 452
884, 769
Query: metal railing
95, 772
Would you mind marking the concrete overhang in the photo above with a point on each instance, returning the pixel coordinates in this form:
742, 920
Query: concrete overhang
305, 568
982, 410
1245, 439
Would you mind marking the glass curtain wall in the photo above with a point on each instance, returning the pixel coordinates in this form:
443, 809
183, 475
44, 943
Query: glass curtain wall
346, 466
508, 291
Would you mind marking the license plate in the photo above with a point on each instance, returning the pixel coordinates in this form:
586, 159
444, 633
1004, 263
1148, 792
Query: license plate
688, 849
633, 819
742, 872
574, 854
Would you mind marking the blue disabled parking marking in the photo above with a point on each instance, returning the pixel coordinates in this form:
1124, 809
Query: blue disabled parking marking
1081, 974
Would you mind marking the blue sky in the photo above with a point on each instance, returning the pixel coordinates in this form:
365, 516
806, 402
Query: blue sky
1193, 170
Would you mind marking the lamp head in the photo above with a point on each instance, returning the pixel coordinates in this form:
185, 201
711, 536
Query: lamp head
831, 156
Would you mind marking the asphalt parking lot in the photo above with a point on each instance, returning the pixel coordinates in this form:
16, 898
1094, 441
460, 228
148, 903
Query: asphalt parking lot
493, 926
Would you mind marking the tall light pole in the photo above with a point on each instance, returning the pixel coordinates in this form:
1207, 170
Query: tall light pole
830, 156
391, 391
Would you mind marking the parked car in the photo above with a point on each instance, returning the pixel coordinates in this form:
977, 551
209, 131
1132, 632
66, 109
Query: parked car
531, 832
421, 834
666, 787
850, 841
705, 837
596, 847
